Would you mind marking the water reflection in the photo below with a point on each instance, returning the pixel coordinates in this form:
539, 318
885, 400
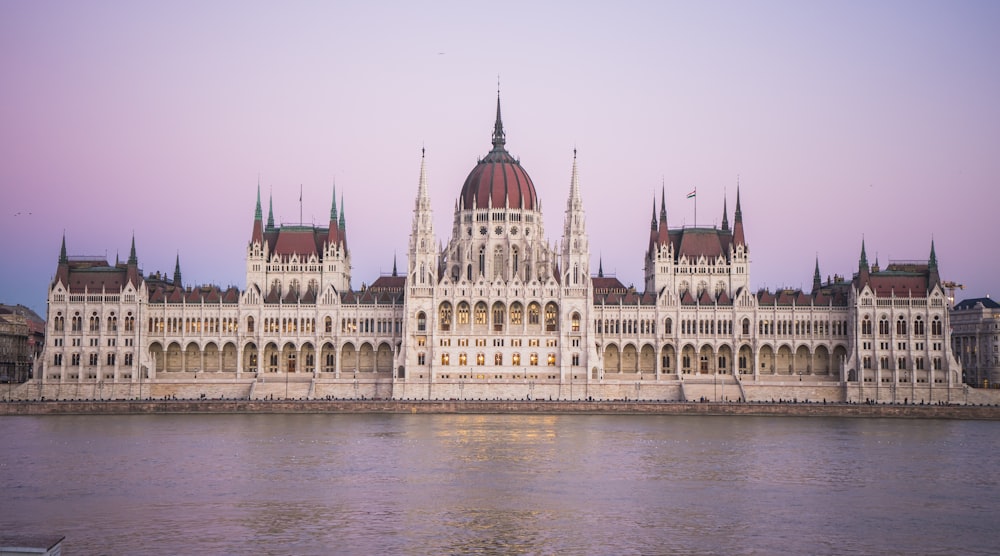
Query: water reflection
500, 484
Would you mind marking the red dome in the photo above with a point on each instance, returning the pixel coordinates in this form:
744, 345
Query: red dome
498, 180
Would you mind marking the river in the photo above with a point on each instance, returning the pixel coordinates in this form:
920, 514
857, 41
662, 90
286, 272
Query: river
501, 484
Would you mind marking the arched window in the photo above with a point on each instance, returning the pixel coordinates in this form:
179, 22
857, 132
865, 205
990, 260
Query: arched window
550, 317
498, 317
480, 313
498, 359
463, 313
59, 323
480, 359
668, 326
746, 327
249, 324
575, 322
533, 313
883, 326
936, 328
444, 316
901, 326
482, 261
421, 322
328, 325
514, 260
866, 326
516, 313
918, 327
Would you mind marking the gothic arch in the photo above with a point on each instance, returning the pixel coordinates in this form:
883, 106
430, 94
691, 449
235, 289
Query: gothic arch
630, 359
348, 358
383, 358
647, 359
612, 359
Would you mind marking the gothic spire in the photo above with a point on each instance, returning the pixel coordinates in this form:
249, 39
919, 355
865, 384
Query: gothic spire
341, 224
498, 133
333, 208
63, 259
738, 236
817, 281
725, 217
600, 267
932, 267
132, 259
270, 212
257, 215
863, 263
177, 272
652, 222
663, 204
394, 272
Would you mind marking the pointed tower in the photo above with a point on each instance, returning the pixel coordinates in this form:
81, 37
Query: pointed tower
725, 216
257, 236
817, 280
934, 277
132, 275
257, 249
333, 234
423, 256
659, 267
575, 246
177, 272
336, 256
864, 272
62, 270
738, 237
270, 213
739, 252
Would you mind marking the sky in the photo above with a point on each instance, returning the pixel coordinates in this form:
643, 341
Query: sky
840, 121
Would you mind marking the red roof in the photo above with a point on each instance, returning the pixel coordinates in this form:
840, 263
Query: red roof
696, 242
499, 181
298, 240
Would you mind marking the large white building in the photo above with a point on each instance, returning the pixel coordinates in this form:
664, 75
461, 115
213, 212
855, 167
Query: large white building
499, 312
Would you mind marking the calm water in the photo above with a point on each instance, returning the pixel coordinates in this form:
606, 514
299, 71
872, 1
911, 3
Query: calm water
509, 484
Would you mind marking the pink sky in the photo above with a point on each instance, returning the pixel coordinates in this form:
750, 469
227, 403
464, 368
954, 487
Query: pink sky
842, 120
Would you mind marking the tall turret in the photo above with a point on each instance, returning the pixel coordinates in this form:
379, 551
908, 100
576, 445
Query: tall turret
423, 262
934, 278
177, 272
575, 247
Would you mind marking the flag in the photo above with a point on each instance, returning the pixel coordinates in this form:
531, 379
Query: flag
693, 193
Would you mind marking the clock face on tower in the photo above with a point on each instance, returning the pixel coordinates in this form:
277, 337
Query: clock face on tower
482, 230
499, 230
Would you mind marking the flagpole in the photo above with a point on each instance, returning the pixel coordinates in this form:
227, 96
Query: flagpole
300, 205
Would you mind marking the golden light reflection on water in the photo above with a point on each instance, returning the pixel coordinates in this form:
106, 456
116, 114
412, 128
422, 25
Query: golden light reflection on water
499, 484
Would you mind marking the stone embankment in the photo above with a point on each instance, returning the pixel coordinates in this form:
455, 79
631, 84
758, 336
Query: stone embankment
497, 407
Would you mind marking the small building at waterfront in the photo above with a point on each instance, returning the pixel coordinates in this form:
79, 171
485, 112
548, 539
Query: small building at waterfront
976, 340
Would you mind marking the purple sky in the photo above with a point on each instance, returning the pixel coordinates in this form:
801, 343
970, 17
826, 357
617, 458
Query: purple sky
842, 120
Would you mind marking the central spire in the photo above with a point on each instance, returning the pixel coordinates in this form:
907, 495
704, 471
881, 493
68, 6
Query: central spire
498, 134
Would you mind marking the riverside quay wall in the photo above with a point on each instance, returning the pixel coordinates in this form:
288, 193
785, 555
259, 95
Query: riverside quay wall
870, 410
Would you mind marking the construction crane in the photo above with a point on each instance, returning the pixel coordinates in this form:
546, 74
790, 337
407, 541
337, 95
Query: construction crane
951, 287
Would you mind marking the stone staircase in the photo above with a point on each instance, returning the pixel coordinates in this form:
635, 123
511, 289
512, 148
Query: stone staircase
720, 389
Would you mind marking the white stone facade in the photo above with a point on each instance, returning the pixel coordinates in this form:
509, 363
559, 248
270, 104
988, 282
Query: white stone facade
498, 312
